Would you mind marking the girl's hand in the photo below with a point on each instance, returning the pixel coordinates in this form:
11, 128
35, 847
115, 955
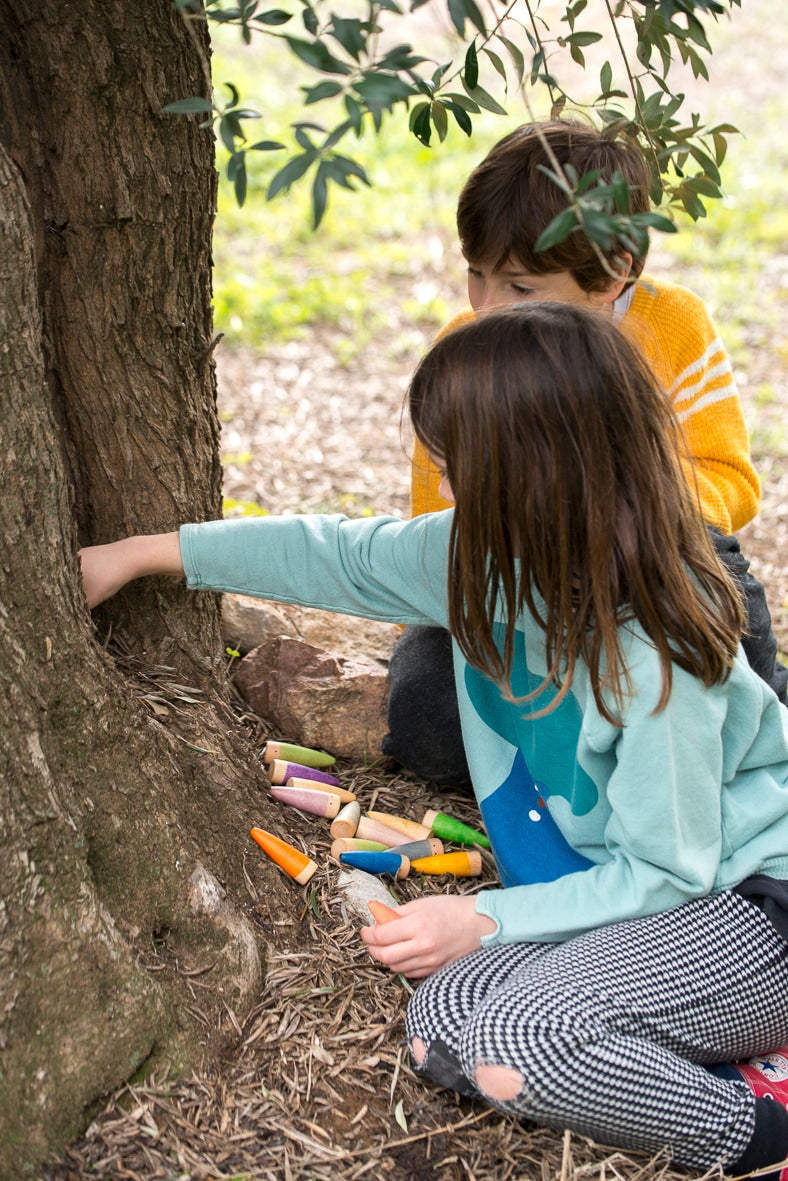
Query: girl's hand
428, 934
107, 568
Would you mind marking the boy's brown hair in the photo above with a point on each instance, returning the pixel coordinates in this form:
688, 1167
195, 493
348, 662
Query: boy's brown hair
508, 200
563, 455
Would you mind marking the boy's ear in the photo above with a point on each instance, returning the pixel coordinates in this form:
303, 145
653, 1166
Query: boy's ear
623, 265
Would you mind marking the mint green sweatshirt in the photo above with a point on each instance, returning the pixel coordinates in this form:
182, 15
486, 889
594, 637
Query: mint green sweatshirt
590, 822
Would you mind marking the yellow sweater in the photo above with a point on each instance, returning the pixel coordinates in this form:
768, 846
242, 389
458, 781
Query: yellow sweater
676, 335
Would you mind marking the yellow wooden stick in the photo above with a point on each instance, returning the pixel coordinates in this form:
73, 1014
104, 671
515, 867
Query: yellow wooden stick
411, 828
462, 865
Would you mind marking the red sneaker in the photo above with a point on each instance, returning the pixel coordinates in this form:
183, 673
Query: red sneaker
767, 1075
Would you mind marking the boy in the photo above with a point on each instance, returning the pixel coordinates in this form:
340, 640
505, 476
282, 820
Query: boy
505, 205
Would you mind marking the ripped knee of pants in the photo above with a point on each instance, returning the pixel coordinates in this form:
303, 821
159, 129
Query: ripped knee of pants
502, 1084
419, 1051
441, 1065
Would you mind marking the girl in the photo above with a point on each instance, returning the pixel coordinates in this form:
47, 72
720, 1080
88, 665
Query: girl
632, 770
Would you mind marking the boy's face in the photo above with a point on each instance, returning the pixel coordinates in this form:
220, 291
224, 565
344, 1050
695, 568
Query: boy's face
489, 288
444, 489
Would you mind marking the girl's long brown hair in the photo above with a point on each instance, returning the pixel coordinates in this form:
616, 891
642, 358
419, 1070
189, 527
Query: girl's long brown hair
571, 502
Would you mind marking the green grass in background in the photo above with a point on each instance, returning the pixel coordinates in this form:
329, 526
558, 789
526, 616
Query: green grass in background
275, 278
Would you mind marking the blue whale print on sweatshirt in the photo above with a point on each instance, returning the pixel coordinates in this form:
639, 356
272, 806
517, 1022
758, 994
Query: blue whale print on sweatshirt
528, 845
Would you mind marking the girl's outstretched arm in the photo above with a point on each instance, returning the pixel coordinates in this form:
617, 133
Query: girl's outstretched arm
428, 934
107, 568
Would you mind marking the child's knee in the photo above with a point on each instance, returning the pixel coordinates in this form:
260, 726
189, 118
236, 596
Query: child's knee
502, 1084
419, 1051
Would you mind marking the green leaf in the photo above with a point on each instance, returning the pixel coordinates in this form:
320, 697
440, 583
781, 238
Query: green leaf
343, 170
239, 182
315, 54
485, 100
302, 139
557, 231
618, 184
474, 15
606, 79
229, 131
471, 69
496, 62
319, 195
274, 16
266, 145
189, 106
463, 101
350, 34
440, 119
401, 57
234, 95
458, 15
292, 171
577, 55
516, 55
657, 221
381, 91
315, 94
587, 180
583, 39
420, 124
462, 118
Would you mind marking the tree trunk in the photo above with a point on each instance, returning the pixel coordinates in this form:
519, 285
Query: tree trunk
125, 798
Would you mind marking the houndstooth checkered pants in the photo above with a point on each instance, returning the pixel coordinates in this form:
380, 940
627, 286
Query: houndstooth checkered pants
610, 1030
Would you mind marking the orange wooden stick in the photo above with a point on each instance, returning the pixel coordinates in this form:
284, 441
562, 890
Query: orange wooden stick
380, 912
295, 863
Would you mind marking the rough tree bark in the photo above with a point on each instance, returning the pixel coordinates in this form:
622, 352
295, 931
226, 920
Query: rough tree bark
120, 829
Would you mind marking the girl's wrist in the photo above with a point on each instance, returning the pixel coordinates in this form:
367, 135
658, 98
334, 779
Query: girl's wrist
158, 553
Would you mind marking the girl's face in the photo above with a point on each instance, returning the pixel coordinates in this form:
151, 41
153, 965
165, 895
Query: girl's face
489, 288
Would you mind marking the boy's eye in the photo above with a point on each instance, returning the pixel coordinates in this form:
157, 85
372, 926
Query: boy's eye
521, 289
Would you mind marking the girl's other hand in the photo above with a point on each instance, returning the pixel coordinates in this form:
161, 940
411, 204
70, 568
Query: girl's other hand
428, 934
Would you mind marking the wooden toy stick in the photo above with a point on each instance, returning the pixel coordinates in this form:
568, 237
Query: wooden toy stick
462, 864
380, 912
346, 821
373, 830
388, 862
449, 829
431, 847
354, 845
294, 863
345, 796
318, 803
280, 771
296, 754
411, 828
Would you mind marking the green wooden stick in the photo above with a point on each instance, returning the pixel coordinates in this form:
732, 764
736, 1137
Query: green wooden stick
296, 754
449, 829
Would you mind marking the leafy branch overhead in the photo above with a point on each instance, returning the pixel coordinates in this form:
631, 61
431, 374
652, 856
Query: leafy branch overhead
492, 51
